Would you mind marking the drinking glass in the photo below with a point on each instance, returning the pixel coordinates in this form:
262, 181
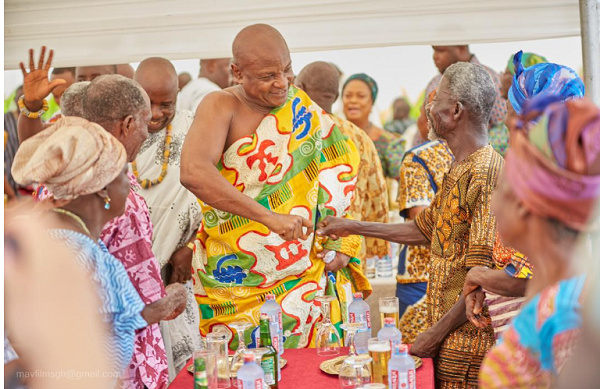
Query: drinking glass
328, 338
217, 342
354, 372
208, 376
380, 352
389, 307
237, 361
352, 329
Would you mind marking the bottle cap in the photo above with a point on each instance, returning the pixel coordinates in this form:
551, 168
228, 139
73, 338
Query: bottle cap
248, 357
358, 295
270, 297
389, 321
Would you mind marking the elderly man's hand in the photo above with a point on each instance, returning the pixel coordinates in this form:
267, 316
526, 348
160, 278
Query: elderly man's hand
289, 227
339, 261
474, 302
334, 227
472, 281
427, 344
181, 262
177, 295
36, 86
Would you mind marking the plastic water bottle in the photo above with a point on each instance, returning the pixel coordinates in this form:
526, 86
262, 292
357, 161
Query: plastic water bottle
391, 333
372, 267
384, 266
251, 375
359, 312
401, 369
273, 310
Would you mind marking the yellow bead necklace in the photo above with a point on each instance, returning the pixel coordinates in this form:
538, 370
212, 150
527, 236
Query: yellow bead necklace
145, 183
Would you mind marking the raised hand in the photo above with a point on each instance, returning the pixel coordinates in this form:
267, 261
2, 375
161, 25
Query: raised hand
36, 85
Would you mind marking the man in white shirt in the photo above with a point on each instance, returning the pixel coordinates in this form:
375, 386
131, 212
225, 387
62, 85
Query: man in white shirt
214, 75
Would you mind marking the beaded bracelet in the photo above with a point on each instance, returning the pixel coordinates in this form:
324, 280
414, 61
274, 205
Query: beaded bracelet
28, 113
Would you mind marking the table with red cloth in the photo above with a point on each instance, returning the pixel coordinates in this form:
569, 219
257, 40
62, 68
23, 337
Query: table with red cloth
302, 371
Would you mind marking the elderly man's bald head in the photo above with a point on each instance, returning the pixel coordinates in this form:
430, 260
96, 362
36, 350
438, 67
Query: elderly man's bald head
157, 70
159, 79
320, 80
262, 66
255, 40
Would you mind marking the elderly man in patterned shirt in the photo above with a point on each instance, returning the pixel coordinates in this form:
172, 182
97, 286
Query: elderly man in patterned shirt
458, 224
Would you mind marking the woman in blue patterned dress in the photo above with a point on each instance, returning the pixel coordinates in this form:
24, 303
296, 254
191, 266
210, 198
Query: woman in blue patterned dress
84, 167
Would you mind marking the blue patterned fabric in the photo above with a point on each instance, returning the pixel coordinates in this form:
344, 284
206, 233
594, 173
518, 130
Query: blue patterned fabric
547, 316
121, 305
543, 78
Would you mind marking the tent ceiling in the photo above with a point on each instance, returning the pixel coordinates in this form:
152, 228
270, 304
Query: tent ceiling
94, 32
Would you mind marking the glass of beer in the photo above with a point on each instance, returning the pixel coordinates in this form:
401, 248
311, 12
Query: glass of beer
380, 352
389, 307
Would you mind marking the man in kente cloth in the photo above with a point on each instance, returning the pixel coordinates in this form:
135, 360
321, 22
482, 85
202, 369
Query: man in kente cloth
268, 164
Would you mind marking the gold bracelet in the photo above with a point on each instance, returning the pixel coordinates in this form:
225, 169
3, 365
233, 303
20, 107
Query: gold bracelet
191, 246
28, 113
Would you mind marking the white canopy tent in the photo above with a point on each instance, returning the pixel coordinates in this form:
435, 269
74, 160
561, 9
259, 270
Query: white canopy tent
87, 32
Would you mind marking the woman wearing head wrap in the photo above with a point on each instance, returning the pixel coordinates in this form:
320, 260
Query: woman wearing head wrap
85, 168
358, 96
542, 79
548, 79
543, 202
506, 78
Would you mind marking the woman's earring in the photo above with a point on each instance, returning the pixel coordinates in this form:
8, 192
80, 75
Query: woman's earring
107, 203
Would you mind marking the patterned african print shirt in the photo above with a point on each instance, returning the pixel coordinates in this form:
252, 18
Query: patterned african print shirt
462, 231
370, 201
391, 150
399, 126
129, 239
539, 341
499, 108
421, 175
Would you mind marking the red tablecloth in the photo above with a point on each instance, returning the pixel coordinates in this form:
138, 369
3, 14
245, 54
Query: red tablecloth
302, 371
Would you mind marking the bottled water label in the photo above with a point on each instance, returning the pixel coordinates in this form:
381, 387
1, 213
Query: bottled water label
361, 318
258, 384
402, 380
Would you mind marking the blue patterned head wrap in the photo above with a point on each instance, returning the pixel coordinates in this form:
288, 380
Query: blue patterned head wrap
543, 79
367, 80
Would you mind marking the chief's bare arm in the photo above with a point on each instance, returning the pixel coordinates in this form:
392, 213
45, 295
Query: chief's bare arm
202, 150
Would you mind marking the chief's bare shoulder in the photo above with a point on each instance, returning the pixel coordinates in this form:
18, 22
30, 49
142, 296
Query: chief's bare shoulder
223, 98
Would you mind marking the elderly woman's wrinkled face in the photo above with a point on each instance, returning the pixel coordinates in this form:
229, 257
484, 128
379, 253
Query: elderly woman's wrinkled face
357, 100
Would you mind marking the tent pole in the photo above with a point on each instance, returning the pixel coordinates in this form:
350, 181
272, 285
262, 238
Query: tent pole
589, 13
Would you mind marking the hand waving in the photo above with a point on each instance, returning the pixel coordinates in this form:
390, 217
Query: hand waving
36, 85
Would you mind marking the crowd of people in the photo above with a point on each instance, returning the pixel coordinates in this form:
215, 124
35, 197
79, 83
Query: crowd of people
172, 206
